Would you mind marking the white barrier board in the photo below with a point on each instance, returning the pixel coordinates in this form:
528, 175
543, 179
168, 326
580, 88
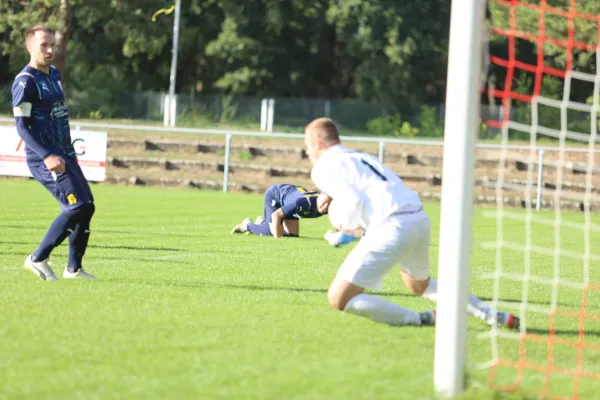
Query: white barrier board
90, 147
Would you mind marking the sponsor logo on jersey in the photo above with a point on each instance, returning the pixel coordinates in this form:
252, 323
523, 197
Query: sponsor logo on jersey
59, 110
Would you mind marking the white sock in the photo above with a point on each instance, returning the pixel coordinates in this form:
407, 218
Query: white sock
380, 310
431, 292
476, 307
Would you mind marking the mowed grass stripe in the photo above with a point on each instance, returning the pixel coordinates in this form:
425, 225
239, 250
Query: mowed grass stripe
183, 309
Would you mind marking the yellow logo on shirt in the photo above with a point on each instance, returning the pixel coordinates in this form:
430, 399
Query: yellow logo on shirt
71, 199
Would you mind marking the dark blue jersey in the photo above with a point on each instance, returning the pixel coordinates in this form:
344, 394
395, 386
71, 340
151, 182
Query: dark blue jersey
41, 114
296, 202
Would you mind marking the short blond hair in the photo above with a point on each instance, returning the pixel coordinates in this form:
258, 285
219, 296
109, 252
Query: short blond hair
30, 32
325, 129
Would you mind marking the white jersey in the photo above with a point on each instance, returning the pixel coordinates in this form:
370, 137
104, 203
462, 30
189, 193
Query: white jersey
371, 189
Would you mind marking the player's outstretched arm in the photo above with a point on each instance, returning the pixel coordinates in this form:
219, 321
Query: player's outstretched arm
276, 224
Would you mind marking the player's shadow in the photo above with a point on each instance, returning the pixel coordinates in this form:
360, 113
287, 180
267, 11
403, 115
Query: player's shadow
141, 248
320, 239
20, 242
393, 294
150, 260
25, 228
103, 230
104, 247
145, 233
570, 332
15, 253
216, 285
269, 288
518, 301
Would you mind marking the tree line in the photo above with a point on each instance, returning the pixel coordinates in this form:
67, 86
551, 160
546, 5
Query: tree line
386, 52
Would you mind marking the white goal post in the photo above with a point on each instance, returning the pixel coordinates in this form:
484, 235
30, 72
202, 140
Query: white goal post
460, 130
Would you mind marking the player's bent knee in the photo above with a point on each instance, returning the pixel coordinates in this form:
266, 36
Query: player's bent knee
335, 299
340, 293
91, 208
418, 287
85, 211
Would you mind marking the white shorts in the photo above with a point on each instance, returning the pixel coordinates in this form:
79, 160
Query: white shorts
399, 239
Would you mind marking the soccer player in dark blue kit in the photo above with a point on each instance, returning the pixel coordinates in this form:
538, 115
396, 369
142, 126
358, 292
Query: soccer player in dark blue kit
42, 122
285, 205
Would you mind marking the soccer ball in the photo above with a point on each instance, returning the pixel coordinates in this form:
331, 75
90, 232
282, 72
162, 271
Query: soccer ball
342, 214
334, 214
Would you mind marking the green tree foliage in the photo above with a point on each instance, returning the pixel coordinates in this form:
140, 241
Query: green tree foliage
274, 47
527, 21
387, 52
371, 50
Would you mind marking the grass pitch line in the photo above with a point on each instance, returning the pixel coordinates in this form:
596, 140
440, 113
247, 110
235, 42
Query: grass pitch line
173, 256
11, 269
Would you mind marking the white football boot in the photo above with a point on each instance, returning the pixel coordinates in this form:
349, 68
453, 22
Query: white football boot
259, 220
80, 274
41, 269
242, 227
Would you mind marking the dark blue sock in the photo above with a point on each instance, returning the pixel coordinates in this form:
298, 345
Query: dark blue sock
78, 240
260, 229
61, 227
264, 230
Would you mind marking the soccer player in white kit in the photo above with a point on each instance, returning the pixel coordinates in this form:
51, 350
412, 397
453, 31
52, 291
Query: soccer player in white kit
396, 227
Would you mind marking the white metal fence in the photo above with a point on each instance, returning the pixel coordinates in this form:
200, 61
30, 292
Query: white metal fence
381, 141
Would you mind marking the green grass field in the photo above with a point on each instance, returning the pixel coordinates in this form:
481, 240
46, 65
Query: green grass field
183, 309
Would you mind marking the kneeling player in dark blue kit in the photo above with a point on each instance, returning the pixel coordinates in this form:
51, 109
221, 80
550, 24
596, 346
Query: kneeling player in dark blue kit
284, 205
43, 123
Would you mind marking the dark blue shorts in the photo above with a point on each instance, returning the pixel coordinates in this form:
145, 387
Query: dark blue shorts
70, 188
273, 202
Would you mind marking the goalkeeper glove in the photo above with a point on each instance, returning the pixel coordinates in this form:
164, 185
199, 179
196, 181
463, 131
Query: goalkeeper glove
337, 239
